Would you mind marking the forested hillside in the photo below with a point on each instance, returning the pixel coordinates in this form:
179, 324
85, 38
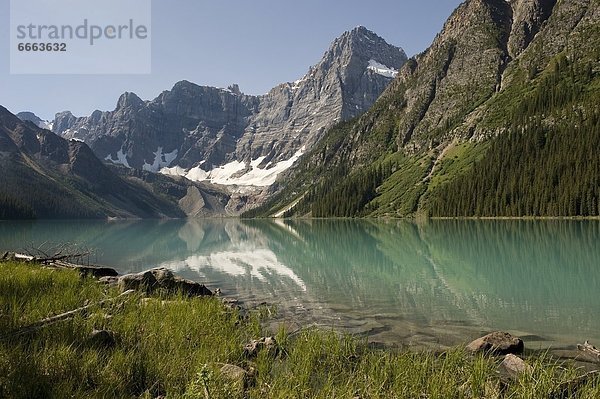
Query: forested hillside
486, 122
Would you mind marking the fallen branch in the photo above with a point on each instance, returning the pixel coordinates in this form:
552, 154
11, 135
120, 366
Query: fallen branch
65, 316
58, 258
94, 271
61, 262
23, 257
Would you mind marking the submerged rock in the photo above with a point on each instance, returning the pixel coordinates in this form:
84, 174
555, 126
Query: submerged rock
497, 343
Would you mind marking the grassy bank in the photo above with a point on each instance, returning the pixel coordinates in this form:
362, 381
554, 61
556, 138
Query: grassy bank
176, 347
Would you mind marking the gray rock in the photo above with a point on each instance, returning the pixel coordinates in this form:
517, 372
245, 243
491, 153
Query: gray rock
163, 276
109, 280
528, 16
234, 373
513, 367
144, 281
161, 279
497, 343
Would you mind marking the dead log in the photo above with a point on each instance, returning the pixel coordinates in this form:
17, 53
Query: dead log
58, 258
94, 271
588, 352
65, 316
23, 257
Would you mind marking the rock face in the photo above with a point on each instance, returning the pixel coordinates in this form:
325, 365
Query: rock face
497, 343
528, 16
224, 136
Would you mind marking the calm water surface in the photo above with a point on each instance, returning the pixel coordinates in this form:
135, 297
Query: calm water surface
433, 284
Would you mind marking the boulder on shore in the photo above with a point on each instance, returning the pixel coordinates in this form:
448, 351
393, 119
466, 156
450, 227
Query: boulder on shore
513, 367
497, 343
161, 279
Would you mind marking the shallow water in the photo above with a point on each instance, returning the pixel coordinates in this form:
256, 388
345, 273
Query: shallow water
433, 284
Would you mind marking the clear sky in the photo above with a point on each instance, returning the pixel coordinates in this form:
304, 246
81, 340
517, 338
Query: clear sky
256, 44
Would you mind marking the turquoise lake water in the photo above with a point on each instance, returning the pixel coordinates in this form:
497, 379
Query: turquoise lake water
432, 284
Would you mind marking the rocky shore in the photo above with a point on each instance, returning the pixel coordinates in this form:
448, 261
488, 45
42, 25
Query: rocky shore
253, 363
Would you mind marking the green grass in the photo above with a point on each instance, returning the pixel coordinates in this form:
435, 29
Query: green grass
175, 346
160, 346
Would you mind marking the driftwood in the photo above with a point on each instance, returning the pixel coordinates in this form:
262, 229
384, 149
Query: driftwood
588, 352
66, 316
23, 257
60, 262
58, 258
94, 271
43, 259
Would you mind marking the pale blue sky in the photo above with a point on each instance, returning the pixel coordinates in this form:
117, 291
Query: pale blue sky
256, 44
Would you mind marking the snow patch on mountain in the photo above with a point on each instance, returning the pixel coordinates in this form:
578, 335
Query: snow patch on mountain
160, 160
231, 174
121, 159
381, 69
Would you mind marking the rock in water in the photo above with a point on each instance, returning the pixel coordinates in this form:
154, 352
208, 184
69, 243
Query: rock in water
497, 343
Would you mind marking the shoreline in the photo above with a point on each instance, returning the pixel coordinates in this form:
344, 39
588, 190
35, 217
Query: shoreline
176, 344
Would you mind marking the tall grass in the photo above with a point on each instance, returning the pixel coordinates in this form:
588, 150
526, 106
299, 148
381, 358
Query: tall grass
175, 346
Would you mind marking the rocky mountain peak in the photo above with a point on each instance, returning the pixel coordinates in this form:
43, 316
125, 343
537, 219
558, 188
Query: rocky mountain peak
227, 137
366, 45
129, 100
27, 116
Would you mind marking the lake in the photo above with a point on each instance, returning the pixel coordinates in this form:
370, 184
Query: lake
431, 284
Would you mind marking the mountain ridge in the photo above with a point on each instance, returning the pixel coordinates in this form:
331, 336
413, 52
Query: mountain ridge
229, 138
449, 104
46, 176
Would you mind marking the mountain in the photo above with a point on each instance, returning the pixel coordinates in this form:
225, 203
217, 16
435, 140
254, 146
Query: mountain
498, 117
36, 120
229, 138
46, 176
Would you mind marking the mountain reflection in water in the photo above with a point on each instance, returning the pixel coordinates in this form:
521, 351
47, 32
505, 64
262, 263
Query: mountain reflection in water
398, 281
